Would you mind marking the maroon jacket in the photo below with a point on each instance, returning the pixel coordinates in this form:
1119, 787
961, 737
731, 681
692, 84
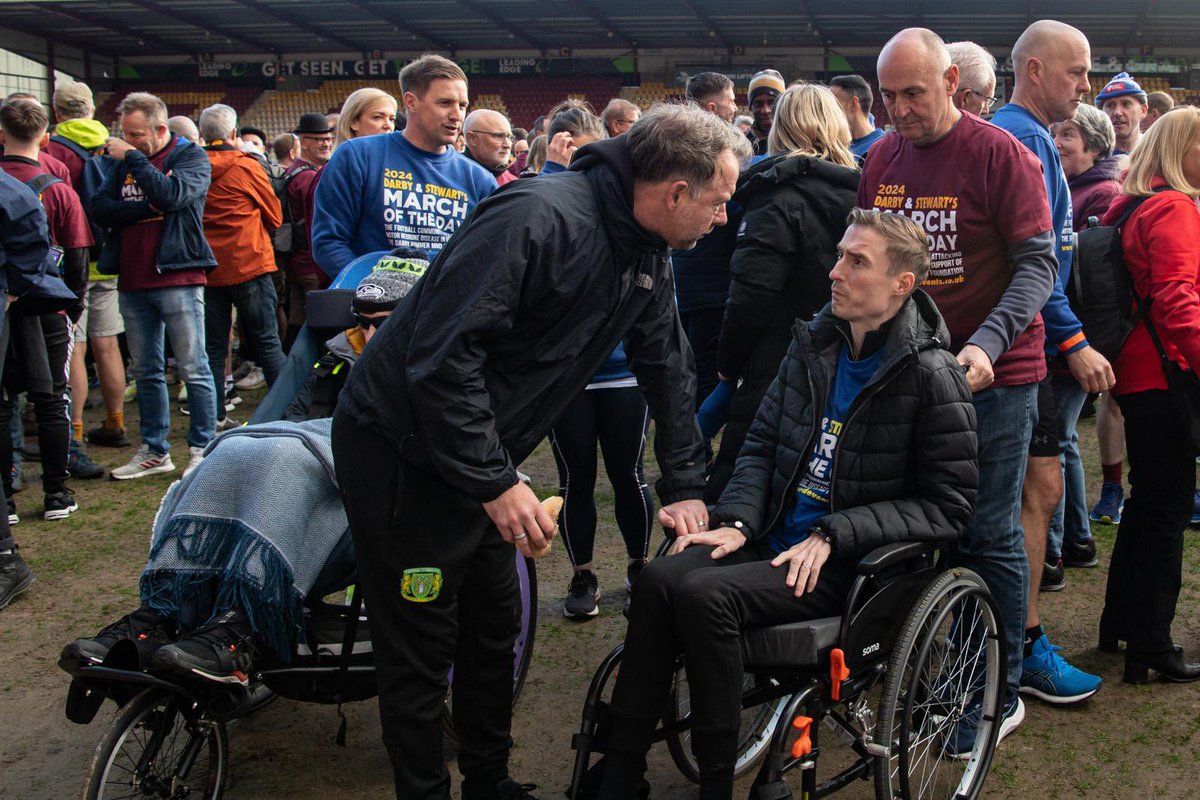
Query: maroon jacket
1092, 192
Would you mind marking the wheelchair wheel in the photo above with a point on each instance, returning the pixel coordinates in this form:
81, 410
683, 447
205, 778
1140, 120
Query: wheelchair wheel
154, 748
758, 724
943, 694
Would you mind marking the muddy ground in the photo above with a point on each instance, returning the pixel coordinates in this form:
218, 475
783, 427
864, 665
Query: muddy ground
1127, 741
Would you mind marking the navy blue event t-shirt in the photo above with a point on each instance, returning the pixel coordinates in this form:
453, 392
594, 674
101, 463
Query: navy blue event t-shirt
810, 501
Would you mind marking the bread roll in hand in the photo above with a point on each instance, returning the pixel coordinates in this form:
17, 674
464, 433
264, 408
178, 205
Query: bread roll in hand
553, 506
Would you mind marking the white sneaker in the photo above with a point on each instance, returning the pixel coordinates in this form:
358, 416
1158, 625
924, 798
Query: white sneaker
144, 463
195, 456
253, 379
226, 423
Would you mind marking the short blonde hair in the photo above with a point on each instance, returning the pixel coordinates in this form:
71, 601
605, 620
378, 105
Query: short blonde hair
809, 122
359, 101
1160, 151
907, 244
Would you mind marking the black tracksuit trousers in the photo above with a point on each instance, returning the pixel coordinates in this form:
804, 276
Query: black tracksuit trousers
403, 518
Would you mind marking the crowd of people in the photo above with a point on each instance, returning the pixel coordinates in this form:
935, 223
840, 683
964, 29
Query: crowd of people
805, 282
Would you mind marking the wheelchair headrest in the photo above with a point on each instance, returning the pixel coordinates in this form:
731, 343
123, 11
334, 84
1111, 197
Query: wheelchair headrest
330, 309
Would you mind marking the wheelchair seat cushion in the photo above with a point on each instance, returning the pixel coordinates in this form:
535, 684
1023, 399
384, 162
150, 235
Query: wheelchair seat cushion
796, 644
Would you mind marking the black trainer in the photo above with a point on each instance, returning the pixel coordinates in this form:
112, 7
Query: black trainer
582, 596
144, 624
632, 571
507, 789
1080, 554
60, 505
13, 516
108, 437
1054, 578
15, 577
221, 651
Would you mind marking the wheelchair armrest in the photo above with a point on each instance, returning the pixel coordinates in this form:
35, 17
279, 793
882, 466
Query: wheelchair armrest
891, 555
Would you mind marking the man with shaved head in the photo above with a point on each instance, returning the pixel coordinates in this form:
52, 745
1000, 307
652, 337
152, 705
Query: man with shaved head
489, 142
980, 198
1050, 65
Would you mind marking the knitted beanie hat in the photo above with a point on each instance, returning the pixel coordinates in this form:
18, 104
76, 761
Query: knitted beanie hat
1120, 86
386, 284
767, 81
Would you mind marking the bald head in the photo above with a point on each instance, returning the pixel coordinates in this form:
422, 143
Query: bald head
918, 45
489, 136
1050, 63
1042, 40
918, 83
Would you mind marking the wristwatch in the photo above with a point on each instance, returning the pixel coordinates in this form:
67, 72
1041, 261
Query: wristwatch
818, 530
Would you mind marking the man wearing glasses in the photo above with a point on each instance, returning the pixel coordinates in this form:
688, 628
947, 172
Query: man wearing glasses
489, 142
303, 273
976, 77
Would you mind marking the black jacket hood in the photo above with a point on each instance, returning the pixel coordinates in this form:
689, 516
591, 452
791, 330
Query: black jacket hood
768, 174
608, 165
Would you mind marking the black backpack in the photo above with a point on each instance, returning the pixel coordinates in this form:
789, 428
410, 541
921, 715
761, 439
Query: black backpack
1100, 289
96, 167
288, 236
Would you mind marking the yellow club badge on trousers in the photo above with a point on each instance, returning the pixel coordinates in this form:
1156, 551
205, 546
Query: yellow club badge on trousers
421, 584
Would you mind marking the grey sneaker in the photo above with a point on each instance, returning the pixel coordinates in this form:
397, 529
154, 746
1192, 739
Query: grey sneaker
15, 577
582, 596
144, 463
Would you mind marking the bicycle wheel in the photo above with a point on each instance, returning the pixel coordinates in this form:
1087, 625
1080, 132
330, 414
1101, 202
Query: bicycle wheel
155, 749
757, 726
943, 694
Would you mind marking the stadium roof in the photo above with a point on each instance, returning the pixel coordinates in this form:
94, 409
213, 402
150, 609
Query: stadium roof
125, 28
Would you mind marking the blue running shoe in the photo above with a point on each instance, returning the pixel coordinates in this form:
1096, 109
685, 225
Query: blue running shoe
1112, 502
1196, 508
1047, 675
960, 743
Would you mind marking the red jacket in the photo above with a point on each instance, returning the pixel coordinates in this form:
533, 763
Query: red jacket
1162, 251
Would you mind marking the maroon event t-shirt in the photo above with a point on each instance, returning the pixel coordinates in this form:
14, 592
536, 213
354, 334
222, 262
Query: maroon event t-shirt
975, 191
64, 213
140, 241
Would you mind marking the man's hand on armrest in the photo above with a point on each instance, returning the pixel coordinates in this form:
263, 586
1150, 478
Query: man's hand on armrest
684, 517
521, 519
979, 367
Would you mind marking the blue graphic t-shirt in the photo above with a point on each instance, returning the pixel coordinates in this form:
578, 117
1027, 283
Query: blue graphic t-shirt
1064, 334
380, 192
811, 499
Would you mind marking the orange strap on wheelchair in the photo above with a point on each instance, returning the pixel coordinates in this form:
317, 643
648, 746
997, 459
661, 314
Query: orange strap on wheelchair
803, 745
838, 672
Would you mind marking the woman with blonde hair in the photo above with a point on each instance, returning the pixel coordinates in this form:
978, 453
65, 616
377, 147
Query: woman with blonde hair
796, 201
1161, 242
367, 111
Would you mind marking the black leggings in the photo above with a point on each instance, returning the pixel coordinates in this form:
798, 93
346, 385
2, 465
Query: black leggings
619, 419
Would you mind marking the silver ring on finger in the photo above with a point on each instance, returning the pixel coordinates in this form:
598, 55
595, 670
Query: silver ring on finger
701, 524
519, 536
808, 565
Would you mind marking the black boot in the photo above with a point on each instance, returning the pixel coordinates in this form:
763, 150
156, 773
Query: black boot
1169, 666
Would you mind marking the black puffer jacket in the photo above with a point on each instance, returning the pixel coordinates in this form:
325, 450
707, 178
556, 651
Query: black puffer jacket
794, 216
906, 465
512, 320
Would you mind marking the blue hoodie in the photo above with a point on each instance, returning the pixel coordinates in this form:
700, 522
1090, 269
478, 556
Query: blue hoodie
380, 192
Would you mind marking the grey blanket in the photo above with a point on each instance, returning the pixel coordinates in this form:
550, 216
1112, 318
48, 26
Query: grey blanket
249, 529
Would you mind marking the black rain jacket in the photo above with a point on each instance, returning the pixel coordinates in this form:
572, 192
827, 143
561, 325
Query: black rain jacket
510, 322
906, 467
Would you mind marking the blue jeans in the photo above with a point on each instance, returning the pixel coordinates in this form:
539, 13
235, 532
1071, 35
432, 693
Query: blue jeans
1070, 518
255, 301
993, 544
179, 311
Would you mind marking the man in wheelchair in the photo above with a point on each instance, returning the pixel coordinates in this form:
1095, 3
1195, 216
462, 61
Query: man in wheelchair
866, 437
231, 565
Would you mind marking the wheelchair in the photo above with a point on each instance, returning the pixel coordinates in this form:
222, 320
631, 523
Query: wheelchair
169, 738
925, 641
